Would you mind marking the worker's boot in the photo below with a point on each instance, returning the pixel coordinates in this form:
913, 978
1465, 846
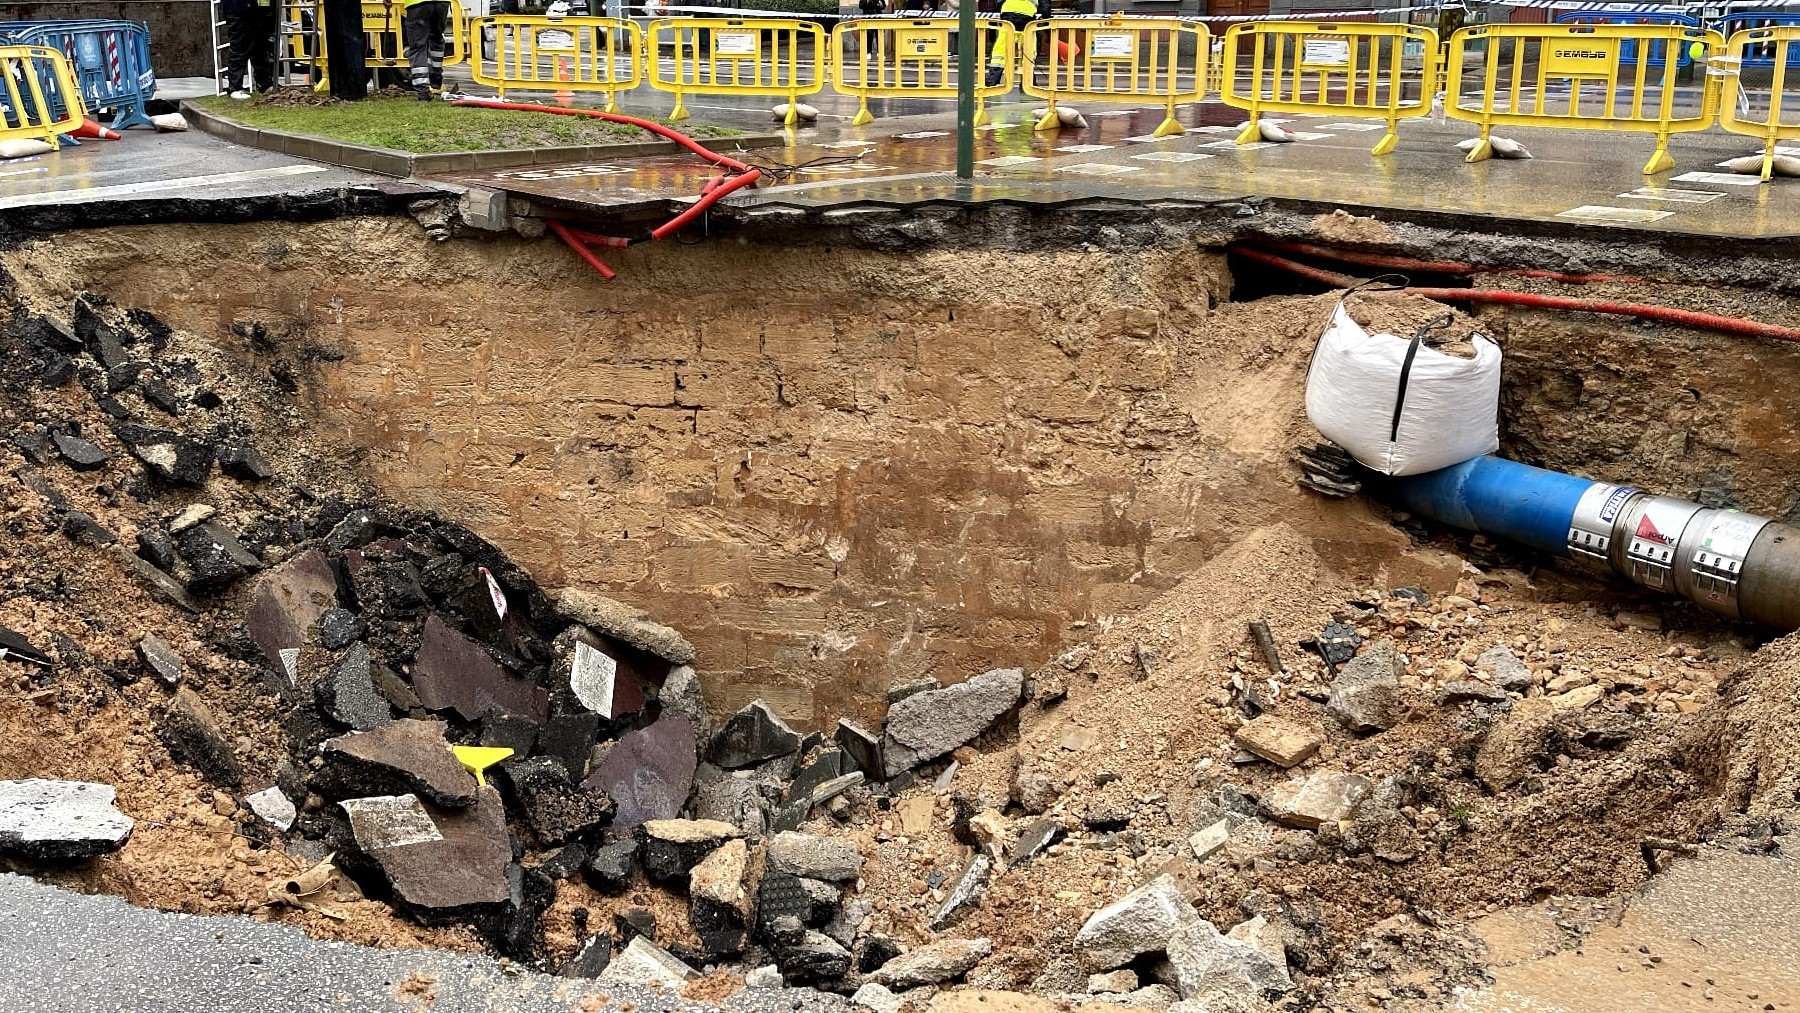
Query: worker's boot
424, 93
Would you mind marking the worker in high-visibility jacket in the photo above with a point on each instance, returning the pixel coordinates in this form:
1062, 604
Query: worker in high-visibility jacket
1019, 14
424, 29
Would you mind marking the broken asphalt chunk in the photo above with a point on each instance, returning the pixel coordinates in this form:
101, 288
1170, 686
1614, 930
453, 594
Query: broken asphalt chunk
83, 529
79, 453
863, 748
168, 455
347, 692
930, 724
613, 866
191, 734
556, 809
751, 736
240, 462
965, 896
214, 556
399, 758
14, 647
671, 848
623, 623
158, 583
442, 861
452, 672
60, 821
649, 772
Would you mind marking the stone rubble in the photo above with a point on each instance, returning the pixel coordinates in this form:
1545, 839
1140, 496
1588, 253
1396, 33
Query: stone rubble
60, 821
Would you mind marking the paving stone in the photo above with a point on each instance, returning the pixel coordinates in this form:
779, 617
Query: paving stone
928, 725
751, 736
338, 628
443, 860
1365, 694
613, 866
191, 734
273, 807
644, 963
971, 887
452, 672
60, 821
1313, 800
649, 772
1504, 669
347, 692
243, 462
168, 455
285, 605
621, 622
781, 895
1209, 839
160, 659
79, 453
569, 739
1138, 923
937, 963
813, 857
555, 808
404, 757
1338, 642
1278, 740
671, 848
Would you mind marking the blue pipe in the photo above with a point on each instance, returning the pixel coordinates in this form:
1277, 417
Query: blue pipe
1497, 497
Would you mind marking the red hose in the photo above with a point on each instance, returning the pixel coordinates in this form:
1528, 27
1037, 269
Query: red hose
1665, 314
1432, 266
716, 189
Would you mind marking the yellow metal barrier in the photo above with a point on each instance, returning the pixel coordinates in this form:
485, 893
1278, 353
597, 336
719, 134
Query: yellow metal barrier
1615, 78
1117, 58
42, 99
524, 53
737, 56
1777, 123
890, 58
1331, 68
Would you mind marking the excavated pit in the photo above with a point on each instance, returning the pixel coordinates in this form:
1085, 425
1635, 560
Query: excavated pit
846, 461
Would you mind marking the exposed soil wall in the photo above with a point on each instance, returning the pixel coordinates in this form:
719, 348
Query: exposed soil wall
839, 468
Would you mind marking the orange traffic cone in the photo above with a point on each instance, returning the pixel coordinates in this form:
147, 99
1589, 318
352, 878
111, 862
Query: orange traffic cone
89, 128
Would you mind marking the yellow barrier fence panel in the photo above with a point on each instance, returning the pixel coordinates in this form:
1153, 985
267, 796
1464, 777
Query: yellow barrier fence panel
1742, 110
561, 55
737, 56
43, 101
1348, 69
913, 58
384, 36
1117, 59
1582, 77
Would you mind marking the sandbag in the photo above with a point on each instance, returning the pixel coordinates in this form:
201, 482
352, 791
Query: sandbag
1398, 406
1752, 165
169, 122
1066, 116
1502, 147
802, 112
20, 147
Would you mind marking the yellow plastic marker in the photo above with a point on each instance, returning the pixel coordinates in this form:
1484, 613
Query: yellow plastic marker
480, 758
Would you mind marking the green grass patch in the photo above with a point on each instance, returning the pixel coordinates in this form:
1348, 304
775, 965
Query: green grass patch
424, 128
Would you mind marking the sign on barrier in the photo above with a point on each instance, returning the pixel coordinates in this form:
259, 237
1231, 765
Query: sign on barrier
1574, 77
42, 97
886, 58
1345, 69
109, 59
1779, 117
1628, 48
737, 56
524, 53
1117, 59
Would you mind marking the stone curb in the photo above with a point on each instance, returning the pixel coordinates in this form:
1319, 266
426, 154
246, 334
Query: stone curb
405, 164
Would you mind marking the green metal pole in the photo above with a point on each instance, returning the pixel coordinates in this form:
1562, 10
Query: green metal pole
968, 67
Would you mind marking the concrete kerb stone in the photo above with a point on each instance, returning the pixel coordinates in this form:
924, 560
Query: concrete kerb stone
406, 164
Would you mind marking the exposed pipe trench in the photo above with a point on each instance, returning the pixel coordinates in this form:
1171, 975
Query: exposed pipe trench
738, 176
1646, 311
1433, 266
1739, 565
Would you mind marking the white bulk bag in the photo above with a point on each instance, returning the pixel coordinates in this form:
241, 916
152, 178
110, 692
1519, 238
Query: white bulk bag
1399, 407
